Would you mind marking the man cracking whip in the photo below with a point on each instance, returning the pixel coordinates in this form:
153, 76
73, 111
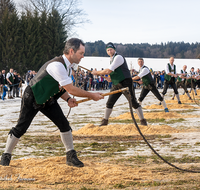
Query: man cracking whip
170, 75
121, 78
148, 84
52, 81
181, 81
192, 80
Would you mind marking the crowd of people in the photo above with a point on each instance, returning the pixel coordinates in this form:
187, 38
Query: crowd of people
88, 81
11, 82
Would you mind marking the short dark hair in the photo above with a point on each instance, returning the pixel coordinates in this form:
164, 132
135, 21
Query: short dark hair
140, 58
73, 43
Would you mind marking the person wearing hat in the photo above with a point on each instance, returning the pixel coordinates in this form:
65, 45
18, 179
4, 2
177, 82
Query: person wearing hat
148, 84
181, 81
121, 78
170, 75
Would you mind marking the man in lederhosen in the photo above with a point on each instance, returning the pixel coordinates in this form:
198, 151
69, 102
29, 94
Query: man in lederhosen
192, 80
121, 78
52, 81
170, 75
181, 81
148, 84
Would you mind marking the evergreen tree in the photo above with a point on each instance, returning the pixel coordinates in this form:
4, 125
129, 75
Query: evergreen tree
56, 35
6, 5
9, 39
31, 51
44, 38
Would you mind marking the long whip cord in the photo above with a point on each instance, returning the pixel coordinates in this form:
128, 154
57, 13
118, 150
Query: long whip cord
133, 118
193, 94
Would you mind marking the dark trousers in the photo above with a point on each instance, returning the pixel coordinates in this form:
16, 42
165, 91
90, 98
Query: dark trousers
114, 97
192, 84
198, 83
147, 89
166, 85
181, 84
29, 110
16, 91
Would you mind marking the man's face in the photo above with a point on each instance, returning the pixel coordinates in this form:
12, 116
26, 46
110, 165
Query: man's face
76, 57
140, 63
184, 67
11, 70
110, 52
3, 71
171, 60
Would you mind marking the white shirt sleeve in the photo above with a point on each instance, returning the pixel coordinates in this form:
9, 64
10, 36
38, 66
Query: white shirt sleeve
118, 61
167, 69
58, 71
7, 75
144, 72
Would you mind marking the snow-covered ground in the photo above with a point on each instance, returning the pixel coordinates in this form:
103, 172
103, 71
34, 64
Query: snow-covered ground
93, 111
78, 116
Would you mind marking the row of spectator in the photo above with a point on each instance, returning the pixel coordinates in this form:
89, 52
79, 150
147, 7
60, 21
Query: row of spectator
11, 82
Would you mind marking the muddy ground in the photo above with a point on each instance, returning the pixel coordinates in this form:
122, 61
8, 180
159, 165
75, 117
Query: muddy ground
115, 156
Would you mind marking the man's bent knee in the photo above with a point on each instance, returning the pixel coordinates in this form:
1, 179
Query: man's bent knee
16, 132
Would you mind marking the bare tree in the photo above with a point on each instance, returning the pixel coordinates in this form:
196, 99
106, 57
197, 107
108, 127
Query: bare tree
68, 9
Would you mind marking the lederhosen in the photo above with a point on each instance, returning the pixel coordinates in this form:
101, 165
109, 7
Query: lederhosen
198, 81
170, 81
181, 83
121, 78
149, 85
41, 95
191, 82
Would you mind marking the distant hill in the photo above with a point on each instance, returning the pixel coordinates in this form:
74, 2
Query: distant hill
163, 50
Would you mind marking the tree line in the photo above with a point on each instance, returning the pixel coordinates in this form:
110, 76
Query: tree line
163, 50
36, 34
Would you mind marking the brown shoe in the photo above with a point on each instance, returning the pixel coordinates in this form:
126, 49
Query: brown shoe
104, 122
143, 122
190, 98
172, 98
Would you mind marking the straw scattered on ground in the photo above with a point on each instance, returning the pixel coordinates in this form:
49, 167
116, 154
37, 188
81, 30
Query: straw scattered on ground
124, 129
53, 173
171, 106
154, 115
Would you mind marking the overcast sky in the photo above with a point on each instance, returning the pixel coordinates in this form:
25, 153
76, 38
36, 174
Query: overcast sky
144, 21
